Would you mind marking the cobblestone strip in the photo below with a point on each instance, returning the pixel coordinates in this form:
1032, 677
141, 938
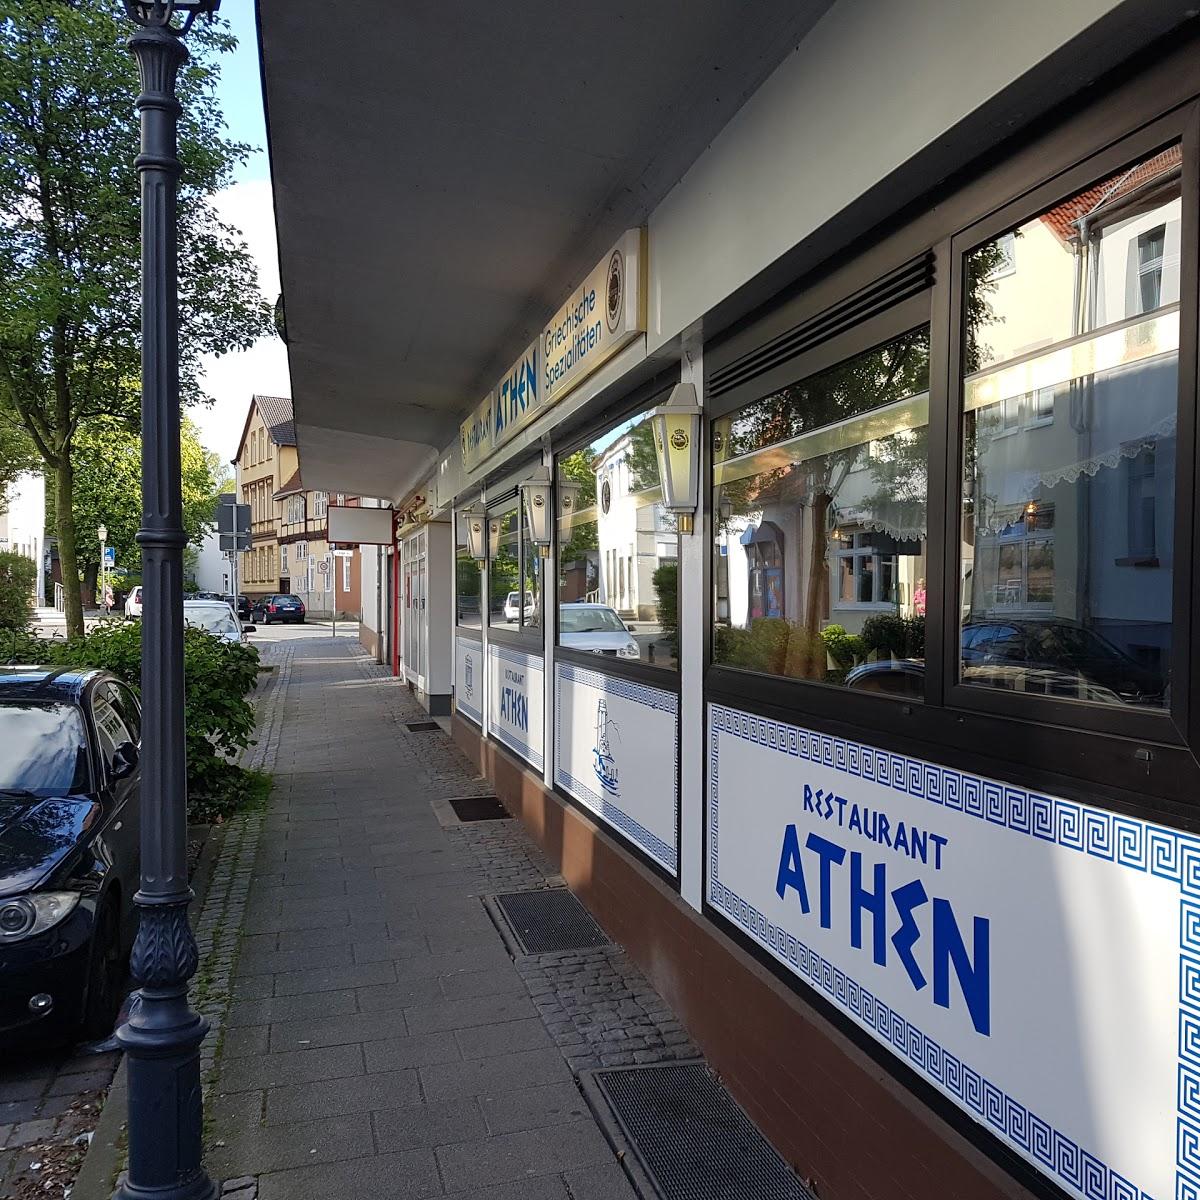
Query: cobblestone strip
219, 927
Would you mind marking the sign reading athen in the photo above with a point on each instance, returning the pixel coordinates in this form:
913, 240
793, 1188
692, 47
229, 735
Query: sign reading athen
603, 314
517, 702
617, 753
468, 678
1036, 959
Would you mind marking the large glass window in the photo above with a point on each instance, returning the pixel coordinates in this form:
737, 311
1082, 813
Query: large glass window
468, 581
1070, 397
515, 571
618, 551
820, 514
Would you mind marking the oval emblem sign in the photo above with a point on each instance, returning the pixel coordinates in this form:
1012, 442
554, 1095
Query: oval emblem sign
615, 292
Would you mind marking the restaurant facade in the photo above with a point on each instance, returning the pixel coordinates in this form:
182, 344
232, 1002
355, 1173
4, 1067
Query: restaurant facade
815, 579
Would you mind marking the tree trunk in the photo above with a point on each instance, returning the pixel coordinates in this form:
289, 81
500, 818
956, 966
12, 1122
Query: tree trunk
89, 589
64, 522
818, 585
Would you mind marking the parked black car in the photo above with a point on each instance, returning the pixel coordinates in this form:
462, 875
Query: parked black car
269, 609
241, 604
69, 828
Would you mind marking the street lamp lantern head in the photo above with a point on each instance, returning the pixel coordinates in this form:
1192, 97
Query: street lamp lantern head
102, 533
164, 12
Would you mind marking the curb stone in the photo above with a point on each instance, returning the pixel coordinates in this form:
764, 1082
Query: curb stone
217, 922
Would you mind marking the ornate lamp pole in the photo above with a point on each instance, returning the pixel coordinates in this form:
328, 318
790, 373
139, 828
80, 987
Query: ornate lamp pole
162, 1037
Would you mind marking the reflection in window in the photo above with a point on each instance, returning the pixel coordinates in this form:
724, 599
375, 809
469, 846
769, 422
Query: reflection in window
820, 498
504, 569
1070, 398
618, 560
468, 581
531, 576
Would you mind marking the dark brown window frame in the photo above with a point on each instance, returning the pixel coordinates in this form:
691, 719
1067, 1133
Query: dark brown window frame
1142, 763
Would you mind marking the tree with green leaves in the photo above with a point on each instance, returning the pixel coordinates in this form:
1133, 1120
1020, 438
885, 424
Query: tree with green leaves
108, 490
70, 252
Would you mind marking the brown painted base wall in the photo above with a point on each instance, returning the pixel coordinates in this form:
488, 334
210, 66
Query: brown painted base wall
842, 1121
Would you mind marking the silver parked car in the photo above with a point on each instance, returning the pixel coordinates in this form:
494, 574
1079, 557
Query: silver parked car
597, 628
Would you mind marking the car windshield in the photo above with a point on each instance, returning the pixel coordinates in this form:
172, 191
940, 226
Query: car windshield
43, 748
290, 599
589, 620
215, 618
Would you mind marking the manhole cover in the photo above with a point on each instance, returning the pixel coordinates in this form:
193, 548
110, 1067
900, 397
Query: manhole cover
693, 1140
551, 920
421, 726
479, 808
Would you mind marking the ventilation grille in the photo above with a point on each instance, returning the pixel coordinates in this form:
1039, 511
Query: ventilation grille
479, 808
550, 921
421, 726
692, 1139
906, 281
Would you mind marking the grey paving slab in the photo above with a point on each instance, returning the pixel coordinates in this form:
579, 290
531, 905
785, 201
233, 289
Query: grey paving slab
333, 979
408, 1175
420, 1050
259, 1148
291, 1008
359, 1094
462, 1014
533, 1108
540, 1187
404, 994
336, 1030
603, 1181
502, 979
484, 1076
438, 1124
485, 1041
511, 1156
300, 1066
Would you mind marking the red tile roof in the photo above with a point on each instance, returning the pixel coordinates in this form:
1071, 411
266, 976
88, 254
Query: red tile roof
290, 488
1062, 219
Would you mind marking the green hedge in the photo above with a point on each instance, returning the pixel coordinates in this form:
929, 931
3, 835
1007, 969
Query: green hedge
218, 718
18, 575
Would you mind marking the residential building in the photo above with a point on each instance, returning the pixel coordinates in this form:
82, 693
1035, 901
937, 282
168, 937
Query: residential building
23, 524
877, 320
289, 545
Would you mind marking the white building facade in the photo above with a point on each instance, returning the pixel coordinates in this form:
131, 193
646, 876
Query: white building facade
881, 761
23, 525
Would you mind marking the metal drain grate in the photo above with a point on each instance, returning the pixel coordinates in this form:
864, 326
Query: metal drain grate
549, 921
421, 726
692, 1139
479, 808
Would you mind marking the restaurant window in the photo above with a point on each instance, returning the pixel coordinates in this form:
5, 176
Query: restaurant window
820, 490
514, 598
618, 557
1066, 581
468, 581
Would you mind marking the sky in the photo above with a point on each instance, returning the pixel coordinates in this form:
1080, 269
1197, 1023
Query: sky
233, 378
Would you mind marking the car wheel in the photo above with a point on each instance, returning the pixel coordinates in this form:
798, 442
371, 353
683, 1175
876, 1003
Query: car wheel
106, 974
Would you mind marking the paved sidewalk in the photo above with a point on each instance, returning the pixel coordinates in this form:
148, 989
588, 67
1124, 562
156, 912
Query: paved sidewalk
381, 1040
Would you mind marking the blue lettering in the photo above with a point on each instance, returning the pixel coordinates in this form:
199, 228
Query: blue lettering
829, 853
872, 901
911, 895
791, 871
973, 977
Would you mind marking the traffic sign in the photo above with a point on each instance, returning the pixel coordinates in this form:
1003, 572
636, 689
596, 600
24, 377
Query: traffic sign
110, 556
323, 566
343, 554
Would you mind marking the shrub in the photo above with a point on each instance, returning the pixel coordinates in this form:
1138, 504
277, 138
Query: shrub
666, 584
893, 636
772, 645
218, 719
18, 575
846, 649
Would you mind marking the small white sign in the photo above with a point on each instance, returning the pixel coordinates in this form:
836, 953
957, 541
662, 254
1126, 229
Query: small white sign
468, 678
323, 566
617, 753
516, 702
1036, 959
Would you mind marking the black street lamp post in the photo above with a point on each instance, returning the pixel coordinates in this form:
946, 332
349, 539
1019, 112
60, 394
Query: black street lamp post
162, 1036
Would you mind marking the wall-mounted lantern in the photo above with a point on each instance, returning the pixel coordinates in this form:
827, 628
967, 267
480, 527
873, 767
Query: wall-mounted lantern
494, 524
535, 492
568, 498
473, 523
677, 444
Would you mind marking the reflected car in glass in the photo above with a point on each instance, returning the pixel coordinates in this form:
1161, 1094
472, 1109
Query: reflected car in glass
597, 629
69, 829
512, 607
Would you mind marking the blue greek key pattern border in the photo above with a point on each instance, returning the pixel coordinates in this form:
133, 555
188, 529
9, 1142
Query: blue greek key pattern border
666, 855
1135, 845
463, 705
535, 756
